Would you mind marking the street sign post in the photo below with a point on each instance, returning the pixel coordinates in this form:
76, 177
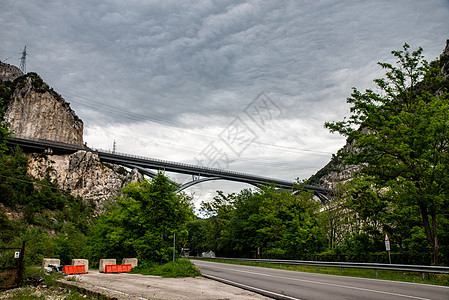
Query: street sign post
387, 247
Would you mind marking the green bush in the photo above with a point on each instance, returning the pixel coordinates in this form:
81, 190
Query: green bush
178, 268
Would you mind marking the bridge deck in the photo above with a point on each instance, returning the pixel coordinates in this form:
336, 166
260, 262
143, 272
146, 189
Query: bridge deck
158, 164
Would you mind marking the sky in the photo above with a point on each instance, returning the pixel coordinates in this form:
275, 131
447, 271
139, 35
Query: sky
239, 85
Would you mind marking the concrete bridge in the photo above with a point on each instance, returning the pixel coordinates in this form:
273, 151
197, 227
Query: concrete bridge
145, 164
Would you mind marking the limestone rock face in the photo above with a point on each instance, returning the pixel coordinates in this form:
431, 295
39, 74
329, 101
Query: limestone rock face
335, 172
83, 174
36, 111
9, 72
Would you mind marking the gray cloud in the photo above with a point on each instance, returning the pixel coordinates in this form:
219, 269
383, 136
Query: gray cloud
168, 67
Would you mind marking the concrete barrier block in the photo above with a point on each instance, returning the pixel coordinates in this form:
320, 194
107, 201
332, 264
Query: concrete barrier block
105, 262
130, 261
50, 261
79, 262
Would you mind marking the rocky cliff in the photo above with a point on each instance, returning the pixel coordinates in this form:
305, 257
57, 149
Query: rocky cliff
83, 175
336, 171
9, 72
34, 110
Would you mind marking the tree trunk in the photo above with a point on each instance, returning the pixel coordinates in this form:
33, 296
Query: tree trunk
428, 230
436, 246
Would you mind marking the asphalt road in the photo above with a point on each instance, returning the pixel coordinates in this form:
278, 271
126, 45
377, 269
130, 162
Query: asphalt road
282, 284
126, 286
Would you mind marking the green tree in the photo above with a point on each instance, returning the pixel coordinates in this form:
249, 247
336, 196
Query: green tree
401, 137
141, 223
276, 223
69, 243
197, 230
38, 244
4, 132
289, 222
218, 232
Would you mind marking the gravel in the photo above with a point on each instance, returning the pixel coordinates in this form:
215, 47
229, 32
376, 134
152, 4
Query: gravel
136, 286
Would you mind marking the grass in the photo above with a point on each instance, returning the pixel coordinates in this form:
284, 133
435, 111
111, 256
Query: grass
48, 289
416, 277
22, 293
178, 268
41, 292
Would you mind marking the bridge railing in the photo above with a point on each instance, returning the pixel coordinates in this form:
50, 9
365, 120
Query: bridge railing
199, 167
46, 143
373, 266
161, 161
164, 164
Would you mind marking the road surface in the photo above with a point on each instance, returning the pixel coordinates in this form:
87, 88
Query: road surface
282, 284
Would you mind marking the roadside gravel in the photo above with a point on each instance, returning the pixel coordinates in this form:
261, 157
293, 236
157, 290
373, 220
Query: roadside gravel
136, 286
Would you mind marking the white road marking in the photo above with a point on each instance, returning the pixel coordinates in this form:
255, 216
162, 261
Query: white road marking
354, 278
251, 288
330, 284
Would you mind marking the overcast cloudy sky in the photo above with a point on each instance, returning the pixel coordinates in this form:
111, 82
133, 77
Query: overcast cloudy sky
176, 79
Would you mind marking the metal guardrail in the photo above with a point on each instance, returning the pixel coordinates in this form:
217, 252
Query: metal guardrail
32, 142
373, 266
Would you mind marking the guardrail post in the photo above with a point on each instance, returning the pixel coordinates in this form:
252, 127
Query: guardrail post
376, 273
342, 270
423, 275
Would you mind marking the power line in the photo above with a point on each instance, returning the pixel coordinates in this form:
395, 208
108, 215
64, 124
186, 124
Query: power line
7, 58
121, 112
182, 149
11, 53
138, 117
32, 182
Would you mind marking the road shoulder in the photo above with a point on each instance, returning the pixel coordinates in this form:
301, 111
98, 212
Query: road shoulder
137, 286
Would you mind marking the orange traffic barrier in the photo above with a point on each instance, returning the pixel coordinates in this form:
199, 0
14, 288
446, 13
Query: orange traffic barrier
80, 269
110, 269
69, 270
126, 268
117, 268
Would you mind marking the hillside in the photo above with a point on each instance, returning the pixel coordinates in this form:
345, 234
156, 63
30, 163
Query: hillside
50, 201
34, 110
336, 172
